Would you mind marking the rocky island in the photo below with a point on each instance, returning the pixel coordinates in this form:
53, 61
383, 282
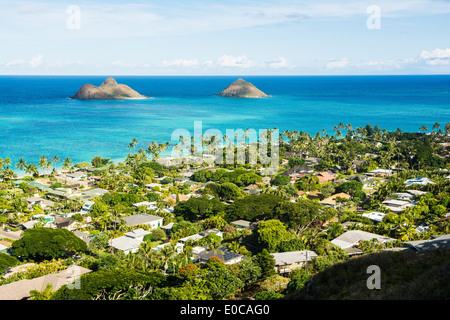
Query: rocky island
242, 89
108, 90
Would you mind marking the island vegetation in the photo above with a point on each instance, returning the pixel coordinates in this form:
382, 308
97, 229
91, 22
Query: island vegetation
146, 228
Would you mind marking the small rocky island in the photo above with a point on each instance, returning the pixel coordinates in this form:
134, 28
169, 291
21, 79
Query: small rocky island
108, 90
242, 89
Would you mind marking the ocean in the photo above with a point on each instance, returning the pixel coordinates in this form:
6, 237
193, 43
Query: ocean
38, 118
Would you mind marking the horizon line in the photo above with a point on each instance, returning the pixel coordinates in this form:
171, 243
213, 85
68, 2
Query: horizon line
221, 75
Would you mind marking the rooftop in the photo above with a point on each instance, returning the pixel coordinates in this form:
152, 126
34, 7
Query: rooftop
287, 258
140, 219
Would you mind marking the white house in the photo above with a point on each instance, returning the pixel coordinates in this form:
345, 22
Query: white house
418, 181
147, 204
87, 207
285, 262
354, 237
405, 196
130, 242
178, 247
397, 205
148, 219
374, 216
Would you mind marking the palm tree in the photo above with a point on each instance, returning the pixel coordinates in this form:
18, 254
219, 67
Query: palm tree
166, 252
6, 162
42, 295
133, 144
21, 164
436, 126
32, 169
43, 163
423, 128
67, 163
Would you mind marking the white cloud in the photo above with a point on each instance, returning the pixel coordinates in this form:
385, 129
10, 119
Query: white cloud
36, 61
436, 57
184, 63
17, 62
279, 62
239, 62
337, 64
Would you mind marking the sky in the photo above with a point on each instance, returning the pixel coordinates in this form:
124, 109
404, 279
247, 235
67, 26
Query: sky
207, 37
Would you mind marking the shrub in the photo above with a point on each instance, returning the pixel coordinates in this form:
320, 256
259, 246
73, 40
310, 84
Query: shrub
7, 261
268, 295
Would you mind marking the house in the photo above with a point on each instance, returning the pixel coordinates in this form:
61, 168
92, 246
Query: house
222, 253
201, 235
285, 262
416, 193
194, 237
147, 204
405, 196
173, 198
438, 241
45, 217
149, 219
365, 180
20, 290
397, 206
352, 238
130, 242
137, 234
178, 247
217, 232
83, 236
374, 216
96, 192
168, 227
43, 203
29, 224
78, 175
241, 224
298, 171
325, 177
333, 201
150, 186
311, 161
68, 224
87, 207
421, 181
379, 173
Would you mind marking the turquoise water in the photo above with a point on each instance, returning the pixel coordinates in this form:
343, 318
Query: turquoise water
37, 118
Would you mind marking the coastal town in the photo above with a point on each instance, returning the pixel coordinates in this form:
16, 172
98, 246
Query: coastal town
160, 228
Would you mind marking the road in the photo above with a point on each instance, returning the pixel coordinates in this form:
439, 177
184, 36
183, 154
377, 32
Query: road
13, 235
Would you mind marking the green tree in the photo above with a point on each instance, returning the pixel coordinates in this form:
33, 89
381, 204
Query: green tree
266, 262
222, 283
269, 234
44, 243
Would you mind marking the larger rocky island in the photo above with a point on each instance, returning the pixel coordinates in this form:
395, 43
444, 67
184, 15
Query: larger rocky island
108, 90
242, 89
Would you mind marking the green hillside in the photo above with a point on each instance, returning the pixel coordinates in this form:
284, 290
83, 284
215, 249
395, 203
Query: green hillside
405, 275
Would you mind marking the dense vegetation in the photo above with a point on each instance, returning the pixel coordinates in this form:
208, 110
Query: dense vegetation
284, 217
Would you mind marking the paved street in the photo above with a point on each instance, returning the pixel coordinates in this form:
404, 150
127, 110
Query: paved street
14, 235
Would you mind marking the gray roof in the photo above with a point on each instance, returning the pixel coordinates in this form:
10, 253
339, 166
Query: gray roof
350, 238
95, 192
223, 254
242, 223
287, 258
137, 233
441, 241
20, 290
125, 243
140, 219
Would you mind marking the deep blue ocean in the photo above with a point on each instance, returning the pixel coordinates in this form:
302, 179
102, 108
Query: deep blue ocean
37, 117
